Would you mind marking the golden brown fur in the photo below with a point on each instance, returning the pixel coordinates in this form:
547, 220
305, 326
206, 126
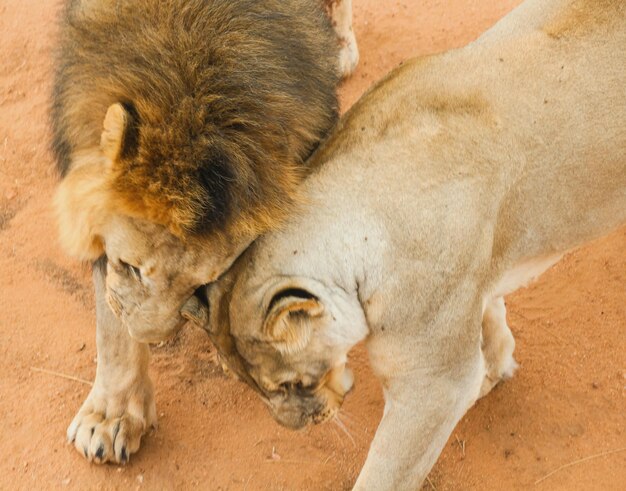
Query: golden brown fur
220, 119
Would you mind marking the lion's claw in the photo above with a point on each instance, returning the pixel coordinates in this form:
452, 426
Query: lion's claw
109, 429
110, 440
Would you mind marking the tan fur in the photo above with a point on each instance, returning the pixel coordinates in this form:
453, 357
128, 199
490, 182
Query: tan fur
453, 182
582, 16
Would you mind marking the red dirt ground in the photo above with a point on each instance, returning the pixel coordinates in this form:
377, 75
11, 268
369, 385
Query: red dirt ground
566, 403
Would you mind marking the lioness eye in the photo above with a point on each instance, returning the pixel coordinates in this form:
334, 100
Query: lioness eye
134, 271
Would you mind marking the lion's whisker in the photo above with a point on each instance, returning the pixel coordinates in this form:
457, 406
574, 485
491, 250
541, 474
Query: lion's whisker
343, 428
349, 417
335, 432
355, 426
266, 402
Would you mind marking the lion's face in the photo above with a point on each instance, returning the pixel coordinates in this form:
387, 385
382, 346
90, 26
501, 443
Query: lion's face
154, 262
287, 337
151, 274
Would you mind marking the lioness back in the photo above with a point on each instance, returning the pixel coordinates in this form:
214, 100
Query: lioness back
226, 99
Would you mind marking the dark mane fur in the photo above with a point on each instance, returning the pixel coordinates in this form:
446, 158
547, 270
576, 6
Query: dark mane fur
227, 99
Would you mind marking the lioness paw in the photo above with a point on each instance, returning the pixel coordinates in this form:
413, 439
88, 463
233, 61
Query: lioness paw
109, 429
498, 345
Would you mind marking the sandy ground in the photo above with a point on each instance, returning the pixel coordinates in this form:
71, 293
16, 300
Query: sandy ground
566, 405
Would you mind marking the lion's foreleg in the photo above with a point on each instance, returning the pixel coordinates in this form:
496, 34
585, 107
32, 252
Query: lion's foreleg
120, 407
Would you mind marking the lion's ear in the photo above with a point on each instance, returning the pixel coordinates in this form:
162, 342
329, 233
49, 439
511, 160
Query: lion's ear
80, 203
119, 133
289, 321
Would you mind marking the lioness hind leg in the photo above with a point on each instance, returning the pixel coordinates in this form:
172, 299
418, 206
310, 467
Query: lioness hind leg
498, 345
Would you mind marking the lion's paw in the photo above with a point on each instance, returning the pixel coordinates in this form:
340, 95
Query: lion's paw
109, 429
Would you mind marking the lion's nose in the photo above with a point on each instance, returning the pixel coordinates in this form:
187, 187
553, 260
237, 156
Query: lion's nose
196, 310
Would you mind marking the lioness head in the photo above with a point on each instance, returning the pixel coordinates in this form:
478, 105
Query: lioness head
287, 337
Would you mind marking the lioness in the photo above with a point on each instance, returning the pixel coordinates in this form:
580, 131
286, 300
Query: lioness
456, 180
181, 129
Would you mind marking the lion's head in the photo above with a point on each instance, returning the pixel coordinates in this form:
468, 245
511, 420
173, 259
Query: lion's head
181, 131
155, 262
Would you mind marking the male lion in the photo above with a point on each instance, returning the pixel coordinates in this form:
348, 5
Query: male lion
181, 129
455, 181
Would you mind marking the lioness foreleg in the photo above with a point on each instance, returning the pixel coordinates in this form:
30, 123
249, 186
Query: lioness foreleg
427, 392
120, 407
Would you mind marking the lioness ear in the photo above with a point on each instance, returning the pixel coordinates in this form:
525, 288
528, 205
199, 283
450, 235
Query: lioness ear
290, 318
119, 133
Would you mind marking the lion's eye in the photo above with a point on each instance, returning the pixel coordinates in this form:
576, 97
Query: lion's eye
297, 387
133, 270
